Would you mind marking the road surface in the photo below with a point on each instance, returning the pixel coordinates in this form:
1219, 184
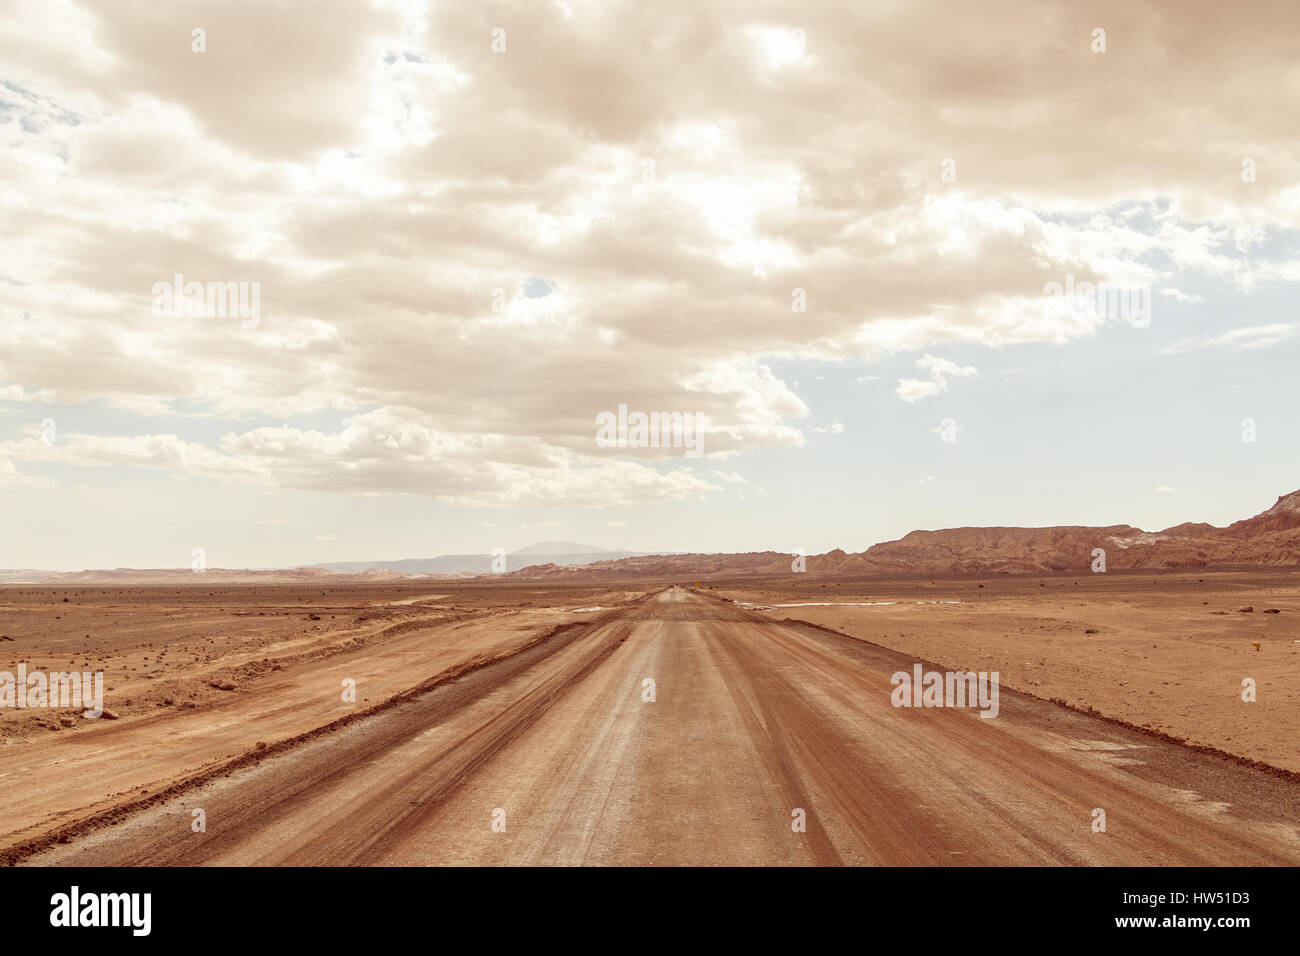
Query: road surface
555, 756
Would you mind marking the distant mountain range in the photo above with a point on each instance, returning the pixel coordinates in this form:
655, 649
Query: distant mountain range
1269, 539
562, 553
546, 552
562, 547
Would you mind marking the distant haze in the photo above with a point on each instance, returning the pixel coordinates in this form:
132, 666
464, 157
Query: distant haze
545, 552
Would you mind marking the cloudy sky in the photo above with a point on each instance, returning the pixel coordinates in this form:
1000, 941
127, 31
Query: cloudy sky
825, 229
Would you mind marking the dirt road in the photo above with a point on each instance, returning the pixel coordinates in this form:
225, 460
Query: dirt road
556, 756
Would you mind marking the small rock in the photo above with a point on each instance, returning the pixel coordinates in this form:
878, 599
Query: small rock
1272, 610
68, 721
261, 745
1245, 610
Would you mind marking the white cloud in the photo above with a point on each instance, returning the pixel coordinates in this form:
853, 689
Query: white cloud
388, 450
941, 370
1253, 337
380, 221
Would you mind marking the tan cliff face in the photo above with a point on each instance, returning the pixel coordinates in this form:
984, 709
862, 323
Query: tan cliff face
1283, 516
1271, 538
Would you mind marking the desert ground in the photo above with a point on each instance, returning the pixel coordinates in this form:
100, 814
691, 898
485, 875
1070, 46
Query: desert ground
504, 722
1162, 650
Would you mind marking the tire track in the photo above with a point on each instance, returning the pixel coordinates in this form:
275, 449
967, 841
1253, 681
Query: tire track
752, 719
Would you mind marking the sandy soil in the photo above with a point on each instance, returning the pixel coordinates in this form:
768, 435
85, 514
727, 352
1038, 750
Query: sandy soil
167, 654
1165, 650
482, 696
753, 720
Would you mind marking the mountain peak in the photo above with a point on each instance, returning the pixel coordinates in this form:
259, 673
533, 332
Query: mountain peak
1287, 504
560, 547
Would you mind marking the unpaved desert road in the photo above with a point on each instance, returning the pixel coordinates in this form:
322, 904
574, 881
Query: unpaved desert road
751, 720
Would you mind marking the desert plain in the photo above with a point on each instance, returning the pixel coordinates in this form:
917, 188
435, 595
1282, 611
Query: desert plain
510, 721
